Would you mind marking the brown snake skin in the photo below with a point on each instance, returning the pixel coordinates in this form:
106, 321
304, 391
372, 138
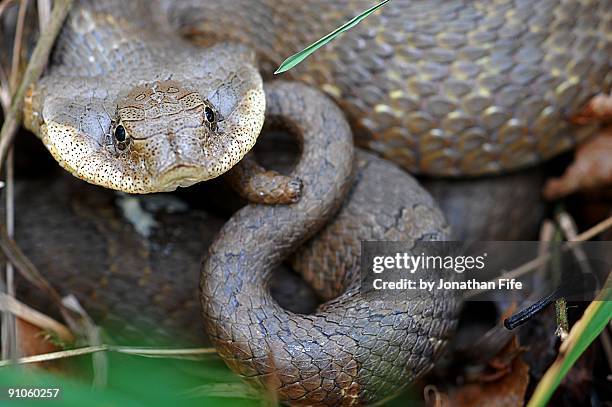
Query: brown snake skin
141, 290
439, 87
442, 88
352, 350
502, 207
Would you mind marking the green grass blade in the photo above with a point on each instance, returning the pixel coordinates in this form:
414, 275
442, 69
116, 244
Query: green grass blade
295, 59
583, 333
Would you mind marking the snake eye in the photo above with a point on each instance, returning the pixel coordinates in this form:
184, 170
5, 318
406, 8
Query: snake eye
121, 138
210, 115
120, 135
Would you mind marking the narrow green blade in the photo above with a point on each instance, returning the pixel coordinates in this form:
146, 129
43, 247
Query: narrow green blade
295, 59
594, 320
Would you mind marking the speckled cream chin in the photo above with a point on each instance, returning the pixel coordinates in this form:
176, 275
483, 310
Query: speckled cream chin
81, 157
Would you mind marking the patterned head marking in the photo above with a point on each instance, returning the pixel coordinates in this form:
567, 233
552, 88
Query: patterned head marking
150, 136
174, 133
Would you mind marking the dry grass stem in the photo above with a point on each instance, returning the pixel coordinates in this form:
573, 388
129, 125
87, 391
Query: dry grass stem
5, 94
44, 13
138, 351
4, 5
35, 68
10, 345
92, 334
232, 390
34, 317
18, 45
540, 260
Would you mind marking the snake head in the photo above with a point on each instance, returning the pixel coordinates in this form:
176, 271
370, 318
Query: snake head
180, 137
143, 135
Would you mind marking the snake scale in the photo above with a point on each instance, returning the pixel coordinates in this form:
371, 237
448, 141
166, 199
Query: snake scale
441, 88
142, 289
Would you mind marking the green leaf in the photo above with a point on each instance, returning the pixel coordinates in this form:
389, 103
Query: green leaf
134, 381
583, 333
295, 59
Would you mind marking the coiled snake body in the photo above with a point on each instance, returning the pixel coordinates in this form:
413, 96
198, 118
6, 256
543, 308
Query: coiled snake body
443, 88
352, 350
440, 87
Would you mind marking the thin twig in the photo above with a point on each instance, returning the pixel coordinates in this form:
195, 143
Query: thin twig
536, 302
17, 45
76, 317
584, 331
44, 13
54, 355
94, 338
9, 325
194, 354
492, 342
163, 352
594, 231
5, 94
547, 234
562, 320
21, 310
4, 5
540, 260
10, 345
33, 71
25, 267
233, 390
5, 91
138, 351
570, 231
14, 254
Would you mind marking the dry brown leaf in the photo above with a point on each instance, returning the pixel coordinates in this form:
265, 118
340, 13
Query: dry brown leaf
504, 386
33, 340
503, 382
592, 168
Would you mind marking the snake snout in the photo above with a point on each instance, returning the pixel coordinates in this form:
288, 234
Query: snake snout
176, 160
179, 175
182, 136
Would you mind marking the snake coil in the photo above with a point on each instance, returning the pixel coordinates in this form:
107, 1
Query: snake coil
352, 350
